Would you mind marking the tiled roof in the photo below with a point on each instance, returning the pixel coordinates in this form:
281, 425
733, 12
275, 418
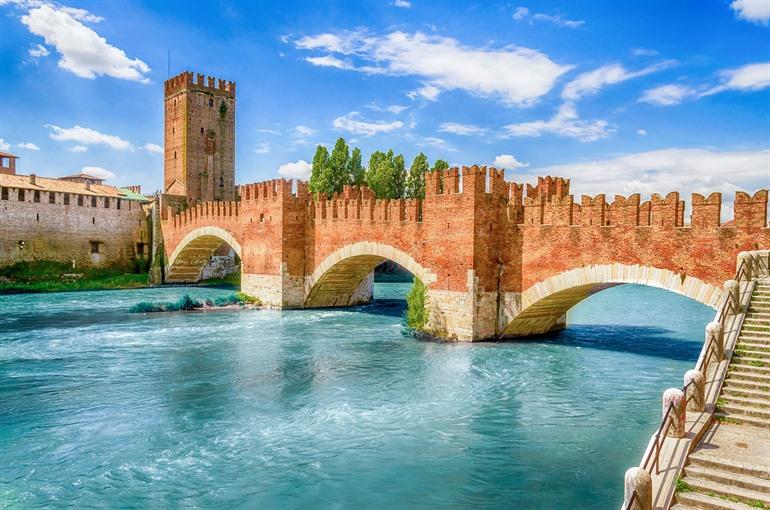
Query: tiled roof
8, 155
82, 176
46, 184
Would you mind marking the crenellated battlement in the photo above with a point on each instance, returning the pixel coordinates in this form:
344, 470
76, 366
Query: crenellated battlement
198, 81
360, 203
203, 211
476, 181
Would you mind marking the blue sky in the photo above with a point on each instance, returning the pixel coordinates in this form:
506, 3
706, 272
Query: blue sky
621, 97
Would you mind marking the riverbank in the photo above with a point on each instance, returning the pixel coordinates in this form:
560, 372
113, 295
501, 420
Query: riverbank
51, 276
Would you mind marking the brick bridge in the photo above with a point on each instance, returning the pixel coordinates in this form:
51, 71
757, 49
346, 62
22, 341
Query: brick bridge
496, 264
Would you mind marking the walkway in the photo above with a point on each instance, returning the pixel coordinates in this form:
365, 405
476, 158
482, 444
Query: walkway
730, 468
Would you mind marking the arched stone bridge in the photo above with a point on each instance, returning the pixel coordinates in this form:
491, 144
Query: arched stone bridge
496, 264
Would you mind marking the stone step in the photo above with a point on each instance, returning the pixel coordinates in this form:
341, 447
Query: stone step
728, 477
743, 384
688, 500
755, 411
744, 419
758, 321
744, 375
758, 315
736, 391
753, 343
746, 496
704, 457
753, 338
745, 356
743, 365
759, 403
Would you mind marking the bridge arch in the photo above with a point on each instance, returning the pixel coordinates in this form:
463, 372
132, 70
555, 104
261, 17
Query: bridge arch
195, 250
337, 280
543, 306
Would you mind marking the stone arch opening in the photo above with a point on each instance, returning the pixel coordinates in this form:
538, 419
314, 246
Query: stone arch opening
189, 260
344, 278
543, 307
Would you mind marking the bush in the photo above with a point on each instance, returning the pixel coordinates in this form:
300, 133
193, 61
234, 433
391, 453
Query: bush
246, 299
188, 303
416, 314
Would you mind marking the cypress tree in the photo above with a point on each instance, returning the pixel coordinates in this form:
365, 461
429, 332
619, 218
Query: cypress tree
415, 181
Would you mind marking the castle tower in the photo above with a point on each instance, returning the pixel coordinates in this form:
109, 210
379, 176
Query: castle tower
199, 138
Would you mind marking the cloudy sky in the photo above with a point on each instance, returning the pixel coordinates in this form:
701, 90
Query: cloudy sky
621, 97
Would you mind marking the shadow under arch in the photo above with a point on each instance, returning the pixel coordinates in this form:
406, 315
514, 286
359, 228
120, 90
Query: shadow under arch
341, 278
193, 252
543, 306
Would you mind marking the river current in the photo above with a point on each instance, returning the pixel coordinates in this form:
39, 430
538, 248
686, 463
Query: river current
249, 409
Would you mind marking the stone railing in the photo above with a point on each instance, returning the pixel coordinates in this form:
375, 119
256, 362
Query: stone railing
646, 487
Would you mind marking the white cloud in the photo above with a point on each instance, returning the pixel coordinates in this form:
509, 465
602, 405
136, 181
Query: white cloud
153, 148
402, 3
673, 169
262, 148
755, 11
438, 143
29, 146
592, 81
82, 14
304, 130
83, 52
38, 51
564, 123
522, 13
667, 95
269, 131
4, 146
516, 76
297, 170
643, 52
87, 136
353, 123
78, 148
329, 61
641, 132
509, 162
98, 171
746, 78
461, 129
395, 108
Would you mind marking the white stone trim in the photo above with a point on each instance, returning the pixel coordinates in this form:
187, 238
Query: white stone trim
201, 232
369, 248
666, 279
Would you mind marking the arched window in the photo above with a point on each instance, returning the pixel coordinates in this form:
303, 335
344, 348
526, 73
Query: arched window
211, 103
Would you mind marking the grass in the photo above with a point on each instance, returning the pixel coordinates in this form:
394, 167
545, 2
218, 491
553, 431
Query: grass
726, 419
53, 276
682, 486
187, 303
231, 280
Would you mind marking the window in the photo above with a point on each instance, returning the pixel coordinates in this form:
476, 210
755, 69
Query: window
21, 195
140, 249
80, 200
4, 193
21, 245
94, 246
221, 182
211, 103
37, 216
51, 197
117, 203
93, 201
93, 220
202, 130
106, 203
174, 154
36, 196
66, 199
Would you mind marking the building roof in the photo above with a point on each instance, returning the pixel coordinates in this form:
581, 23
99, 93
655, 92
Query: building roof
83, 176
8, 155
57, 185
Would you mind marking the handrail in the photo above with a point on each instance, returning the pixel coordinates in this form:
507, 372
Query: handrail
727, 308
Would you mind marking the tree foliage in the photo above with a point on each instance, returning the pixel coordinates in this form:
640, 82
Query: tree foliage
415, 181
416, 314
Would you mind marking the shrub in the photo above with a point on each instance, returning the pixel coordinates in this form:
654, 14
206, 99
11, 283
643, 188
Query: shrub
416, 314
246, 299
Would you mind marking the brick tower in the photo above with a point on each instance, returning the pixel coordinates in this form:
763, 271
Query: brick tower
199, 138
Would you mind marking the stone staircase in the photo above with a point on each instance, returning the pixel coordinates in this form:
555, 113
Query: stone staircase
730, 468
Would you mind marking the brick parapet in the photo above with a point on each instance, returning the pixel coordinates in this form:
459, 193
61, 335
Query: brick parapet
196, 81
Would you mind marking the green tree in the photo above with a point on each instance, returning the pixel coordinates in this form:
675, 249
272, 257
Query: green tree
440, 164
416, 314
415, 181
386, 175
398, 177
355, 169
335, 175
320, 160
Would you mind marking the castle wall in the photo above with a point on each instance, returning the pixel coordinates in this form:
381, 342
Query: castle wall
45, 230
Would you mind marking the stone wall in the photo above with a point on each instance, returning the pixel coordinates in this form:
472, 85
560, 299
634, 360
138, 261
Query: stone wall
90, 235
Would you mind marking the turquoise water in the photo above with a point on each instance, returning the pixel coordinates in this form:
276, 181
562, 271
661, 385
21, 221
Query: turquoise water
326, 409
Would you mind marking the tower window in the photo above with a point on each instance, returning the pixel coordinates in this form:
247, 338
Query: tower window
221, 182
94, 246
202, 130
174, 154
211, 103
